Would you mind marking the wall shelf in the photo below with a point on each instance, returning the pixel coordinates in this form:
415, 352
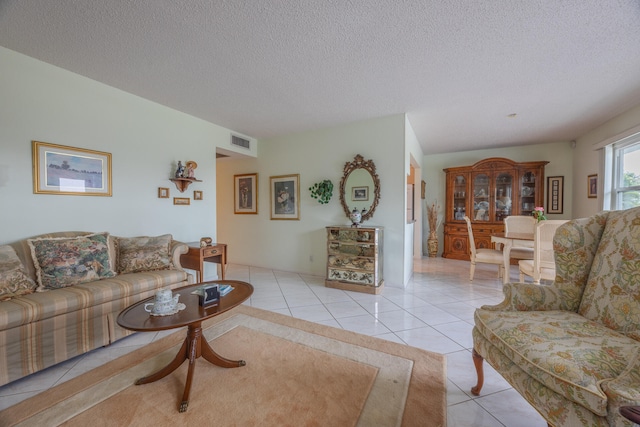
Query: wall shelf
183, 183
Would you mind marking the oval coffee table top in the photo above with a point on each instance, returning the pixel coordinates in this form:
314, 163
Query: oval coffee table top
136, 318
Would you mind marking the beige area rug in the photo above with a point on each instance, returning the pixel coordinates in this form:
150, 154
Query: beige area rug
298, 373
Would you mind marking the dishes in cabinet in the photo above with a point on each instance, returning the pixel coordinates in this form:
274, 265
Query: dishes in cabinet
527, 191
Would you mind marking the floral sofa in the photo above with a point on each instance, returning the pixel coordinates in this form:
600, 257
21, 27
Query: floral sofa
572, 348
60, 293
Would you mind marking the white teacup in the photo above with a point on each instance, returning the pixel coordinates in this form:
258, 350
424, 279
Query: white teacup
165, 302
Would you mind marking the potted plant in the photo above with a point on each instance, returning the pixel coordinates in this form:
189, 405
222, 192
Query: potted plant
322, 191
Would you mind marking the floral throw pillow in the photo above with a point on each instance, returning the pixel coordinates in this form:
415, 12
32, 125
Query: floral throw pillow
13, 278
136, 254
67, 261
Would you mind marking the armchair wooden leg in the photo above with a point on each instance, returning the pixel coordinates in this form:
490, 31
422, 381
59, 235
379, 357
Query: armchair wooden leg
477, 361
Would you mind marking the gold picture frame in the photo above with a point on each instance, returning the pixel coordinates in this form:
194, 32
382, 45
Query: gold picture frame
245, 194
197, 195
285, 197
163, 193
64, 170
181, 201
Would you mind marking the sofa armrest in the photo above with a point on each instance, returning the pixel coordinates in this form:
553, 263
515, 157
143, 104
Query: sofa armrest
177, 248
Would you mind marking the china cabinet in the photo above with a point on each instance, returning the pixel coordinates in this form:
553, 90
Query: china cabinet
354, 259
487, 192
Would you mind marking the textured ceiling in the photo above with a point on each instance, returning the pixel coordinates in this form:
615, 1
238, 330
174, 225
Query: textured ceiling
269, 68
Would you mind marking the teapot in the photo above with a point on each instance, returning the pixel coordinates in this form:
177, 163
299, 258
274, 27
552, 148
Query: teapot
165, 302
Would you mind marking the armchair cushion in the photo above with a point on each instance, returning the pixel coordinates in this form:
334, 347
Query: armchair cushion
562, 350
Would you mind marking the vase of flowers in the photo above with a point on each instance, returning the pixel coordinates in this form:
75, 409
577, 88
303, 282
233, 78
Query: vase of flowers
538, 213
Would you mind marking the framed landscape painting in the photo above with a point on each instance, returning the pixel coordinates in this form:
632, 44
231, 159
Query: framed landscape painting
245, 193
285, 197
58, 169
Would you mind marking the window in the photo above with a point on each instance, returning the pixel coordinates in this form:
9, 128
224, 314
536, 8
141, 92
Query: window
625, 181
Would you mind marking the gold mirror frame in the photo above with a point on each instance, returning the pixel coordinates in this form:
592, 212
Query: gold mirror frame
369, 166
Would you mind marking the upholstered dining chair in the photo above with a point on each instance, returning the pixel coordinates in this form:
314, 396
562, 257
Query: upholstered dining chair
520, 224
483, 255
543, 265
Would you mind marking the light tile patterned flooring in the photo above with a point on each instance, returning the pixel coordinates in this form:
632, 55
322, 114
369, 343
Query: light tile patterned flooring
434, 312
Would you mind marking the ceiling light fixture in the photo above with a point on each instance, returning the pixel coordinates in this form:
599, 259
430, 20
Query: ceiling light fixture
512, 115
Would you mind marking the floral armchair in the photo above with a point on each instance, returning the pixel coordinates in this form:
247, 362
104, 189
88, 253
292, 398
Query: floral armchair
572, 348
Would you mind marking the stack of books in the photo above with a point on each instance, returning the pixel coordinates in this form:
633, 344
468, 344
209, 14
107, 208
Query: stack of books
224, 289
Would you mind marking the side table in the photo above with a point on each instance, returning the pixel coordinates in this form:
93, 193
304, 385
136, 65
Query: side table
195, 258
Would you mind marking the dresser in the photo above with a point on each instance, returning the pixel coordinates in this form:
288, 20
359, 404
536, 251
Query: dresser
354, 259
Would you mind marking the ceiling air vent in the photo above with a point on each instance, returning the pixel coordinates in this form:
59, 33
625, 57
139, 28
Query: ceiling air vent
240, 142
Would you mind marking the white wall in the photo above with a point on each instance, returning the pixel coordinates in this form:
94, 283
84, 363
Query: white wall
317, 155
559, 155
45, 103
589, 161
413, 231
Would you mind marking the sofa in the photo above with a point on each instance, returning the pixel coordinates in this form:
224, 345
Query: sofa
61, 293
571, 348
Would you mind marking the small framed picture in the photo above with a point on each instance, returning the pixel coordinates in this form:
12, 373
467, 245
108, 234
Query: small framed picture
245, 194
555, 194
181, 201
360, 193
163, 193
197, 195
592, 186
285, 197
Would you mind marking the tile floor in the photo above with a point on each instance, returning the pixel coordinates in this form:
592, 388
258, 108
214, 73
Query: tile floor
434, 312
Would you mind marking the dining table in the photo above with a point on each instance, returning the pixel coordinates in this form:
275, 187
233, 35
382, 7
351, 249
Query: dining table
508, 241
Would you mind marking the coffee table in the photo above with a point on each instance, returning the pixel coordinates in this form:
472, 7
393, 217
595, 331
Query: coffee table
136, 318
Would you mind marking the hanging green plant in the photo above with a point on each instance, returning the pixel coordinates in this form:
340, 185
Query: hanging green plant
322, 191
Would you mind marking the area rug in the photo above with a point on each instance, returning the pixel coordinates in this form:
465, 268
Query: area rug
298, 373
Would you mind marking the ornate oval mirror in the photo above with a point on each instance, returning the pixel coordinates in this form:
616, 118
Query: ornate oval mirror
360, 187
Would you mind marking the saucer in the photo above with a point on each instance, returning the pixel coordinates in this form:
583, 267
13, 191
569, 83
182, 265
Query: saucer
179, 306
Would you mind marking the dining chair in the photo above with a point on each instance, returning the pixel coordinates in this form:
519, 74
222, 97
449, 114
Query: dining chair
520, 224
543, 265
483, 255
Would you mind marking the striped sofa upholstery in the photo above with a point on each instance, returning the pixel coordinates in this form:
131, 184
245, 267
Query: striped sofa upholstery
45, 328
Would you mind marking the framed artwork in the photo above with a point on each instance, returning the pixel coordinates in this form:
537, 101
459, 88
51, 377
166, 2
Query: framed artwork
592, 186
197, 195
285, 197
163, 193
360, 193
555, 194
245, 193
423, 189
181, 201
58, 169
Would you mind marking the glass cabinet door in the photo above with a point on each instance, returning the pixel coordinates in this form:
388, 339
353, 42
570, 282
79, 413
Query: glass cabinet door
459, 197
481, 207
527, 193
504, 188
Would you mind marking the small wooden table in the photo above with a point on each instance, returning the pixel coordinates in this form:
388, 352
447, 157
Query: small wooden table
136, 318
508, 241
195, 258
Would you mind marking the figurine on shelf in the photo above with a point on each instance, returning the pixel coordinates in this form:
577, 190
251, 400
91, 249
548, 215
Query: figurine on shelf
191, 167
179, 170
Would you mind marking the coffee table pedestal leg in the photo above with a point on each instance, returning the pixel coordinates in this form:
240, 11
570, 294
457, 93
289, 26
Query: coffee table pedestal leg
192, 348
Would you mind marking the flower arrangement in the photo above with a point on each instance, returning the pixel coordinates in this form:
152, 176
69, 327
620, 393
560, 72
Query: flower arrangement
538, 213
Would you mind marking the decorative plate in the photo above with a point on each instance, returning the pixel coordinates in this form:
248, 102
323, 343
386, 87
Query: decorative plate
180, 306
